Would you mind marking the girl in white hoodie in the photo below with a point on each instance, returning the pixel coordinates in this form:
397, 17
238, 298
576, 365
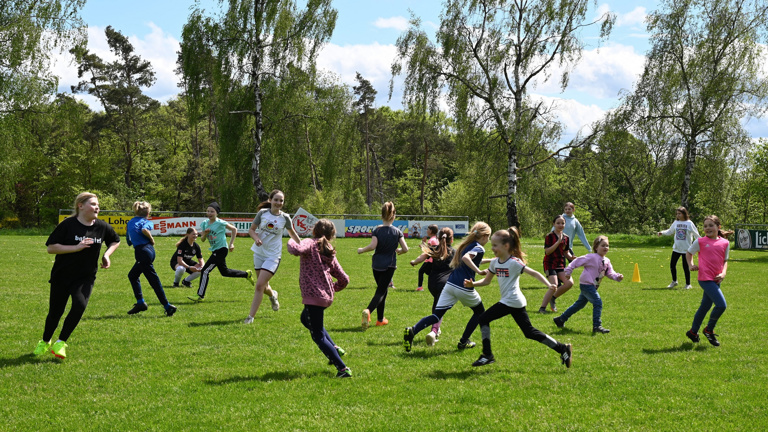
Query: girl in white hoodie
685, 233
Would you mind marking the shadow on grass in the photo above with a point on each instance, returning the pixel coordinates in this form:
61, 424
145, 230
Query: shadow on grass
378, 342
104, 317
685, 346
461, 375
26, 359
427, 353
567, 331
267, 377
354, 329
215, 323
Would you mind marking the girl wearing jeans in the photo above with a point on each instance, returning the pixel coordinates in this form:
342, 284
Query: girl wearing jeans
596, 265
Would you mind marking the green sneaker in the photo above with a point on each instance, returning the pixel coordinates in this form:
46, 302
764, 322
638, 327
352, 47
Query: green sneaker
59, 349
197, 299
250, 277
42, 348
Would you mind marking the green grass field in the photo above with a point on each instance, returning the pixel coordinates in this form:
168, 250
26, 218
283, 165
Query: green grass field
203, 369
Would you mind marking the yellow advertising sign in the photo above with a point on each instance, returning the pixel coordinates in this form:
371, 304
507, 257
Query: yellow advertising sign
118, 222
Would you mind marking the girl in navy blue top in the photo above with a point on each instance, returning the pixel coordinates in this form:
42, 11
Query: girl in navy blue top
384, 240
140, 236
465, 264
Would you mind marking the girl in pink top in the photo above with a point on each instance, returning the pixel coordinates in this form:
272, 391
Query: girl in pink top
426, 268
713, 251
596, 265
318, 267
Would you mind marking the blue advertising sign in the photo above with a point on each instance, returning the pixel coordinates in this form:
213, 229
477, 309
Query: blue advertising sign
363, 228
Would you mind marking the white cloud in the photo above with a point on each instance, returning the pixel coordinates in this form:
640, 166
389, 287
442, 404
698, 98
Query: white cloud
575, 116
635, 17
398, 23
373, 61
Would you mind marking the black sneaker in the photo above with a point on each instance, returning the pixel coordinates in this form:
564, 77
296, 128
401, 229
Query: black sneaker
466, 345
408, 339
344, 373
138, 307
559, 322
711, 337
600, 329
694, 337
484, 360
186, 283
542, 310
170, 310
567, 355
175, 285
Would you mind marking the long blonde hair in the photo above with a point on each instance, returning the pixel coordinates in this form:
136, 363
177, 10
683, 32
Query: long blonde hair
81, 199
478, 230
388, 211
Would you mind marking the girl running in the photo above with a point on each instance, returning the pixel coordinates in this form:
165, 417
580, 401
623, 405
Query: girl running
214, 230
384, 241
76, 242
267, 234
713, 250
183, 261
425, 268
140, 237
441, 256
465, 265
318, 266
596, 265
685, 234
508, 265
556, 251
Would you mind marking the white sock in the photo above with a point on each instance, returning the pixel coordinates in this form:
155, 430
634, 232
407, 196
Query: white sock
179, 273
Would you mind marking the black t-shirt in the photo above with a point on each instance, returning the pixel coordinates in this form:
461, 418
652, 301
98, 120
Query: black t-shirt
82, 264
441, 269
385, 255
186, 252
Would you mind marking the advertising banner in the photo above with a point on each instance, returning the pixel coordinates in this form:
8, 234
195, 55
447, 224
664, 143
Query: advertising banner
363, 228
418, 229
751, 239
304, 222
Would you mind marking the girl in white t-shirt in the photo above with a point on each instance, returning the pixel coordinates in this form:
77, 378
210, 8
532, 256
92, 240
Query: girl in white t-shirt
685, 233
508, 265
267, 233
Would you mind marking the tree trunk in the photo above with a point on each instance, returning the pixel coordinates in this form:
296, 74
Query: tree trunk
256, 134
313, 168
368, 191
512, 217
424, 174
690, 161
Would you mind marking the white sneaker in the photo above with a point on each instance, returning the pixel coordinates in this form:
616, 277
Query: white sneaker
248, 320
431, 338
688, 286
273, 300
672, 285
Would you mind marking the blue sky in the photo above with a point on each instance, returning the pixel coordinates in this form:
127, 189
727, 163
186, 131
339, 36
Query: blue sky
363, 41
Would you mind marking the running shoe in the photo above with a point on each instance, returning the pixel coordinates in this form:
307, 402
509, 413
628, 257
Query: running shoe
186, 283
672, 285
176, 285
42, 348
408, 339
248, 320
197, 299
273, 300
600, 329
170, 310
542, 310
138, 307
484, 360
431, 338
59, 349
694, 337
340, 351
559, 322
567, 355
249, 276
366, 319
688, 286
344, 373
382, 322
711, 337
420, 289
553, 304
466, 345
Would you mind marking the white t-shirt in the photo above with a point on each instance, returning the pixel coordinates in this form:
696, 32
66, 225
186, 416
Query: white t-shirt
270, 228
508, 273
685, 233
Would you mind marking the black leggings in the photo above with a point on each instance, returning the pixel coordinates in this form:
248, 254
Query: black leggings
673, 267
218, 259
379, 300
80, 291
500, 310
425, 269
312, 319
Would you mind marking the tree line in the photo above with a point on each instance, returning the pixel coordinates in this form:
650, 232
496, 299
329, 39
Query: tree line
254, 114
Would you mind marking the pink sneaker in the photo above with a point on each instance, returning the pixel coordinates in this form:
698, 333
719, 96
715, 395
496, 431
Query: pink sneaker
420, 289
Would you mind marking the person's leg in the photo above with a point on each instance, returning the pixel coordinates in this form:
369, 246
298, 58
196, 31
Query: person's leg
673, 265
529, 331
435, 289
687, 272
312, 318
493, 313
148, 269
378, 301
57, 303
209, 266
715, 294
701, 313
226, 271
133, 277
179, 272
576, 306
262, 282
474, 320
81, 293
552, 278
567, 284
422, 271
592, 296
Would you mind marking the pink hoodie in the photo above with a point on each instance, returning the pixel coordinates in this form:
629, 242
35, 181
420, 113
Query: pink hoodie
316, 273
595, 267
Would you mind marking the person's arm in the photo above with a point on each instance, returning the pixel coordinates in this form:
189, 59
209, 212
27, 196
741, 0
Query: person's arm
403, 246
694, 232
233, 233
419, 259
105, 261
719, 278
539, 277
59, 249
689, 255
254, 235
371, 246
292, 234
467, 259
469, 283
148, 234
578, 262
549, 250
485, 260
582, 236
667, 232
342, 280
618, 277
298, 248
180, 261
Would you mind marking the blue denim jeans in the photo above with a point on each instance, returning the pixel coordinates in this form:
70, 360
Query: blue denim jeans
588, 295
145, 256
712, 294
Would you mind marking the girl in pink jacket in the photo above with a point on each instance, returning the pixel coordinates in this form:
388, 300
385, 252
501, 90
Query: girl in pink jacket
596, 265
318, 267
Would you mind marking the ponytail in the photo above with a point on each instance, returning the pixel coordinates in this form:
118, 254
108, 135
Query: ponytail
267, 204
511, 238
441, 251
325, 231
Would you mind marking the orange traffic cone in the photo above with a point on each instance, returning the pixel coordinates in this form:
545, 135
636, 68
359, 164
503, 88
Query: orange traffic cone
636, 274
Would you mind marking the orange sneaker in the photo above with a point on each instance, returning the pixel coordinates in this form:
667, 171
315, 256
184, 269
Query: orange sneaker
382, 322
366, 319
